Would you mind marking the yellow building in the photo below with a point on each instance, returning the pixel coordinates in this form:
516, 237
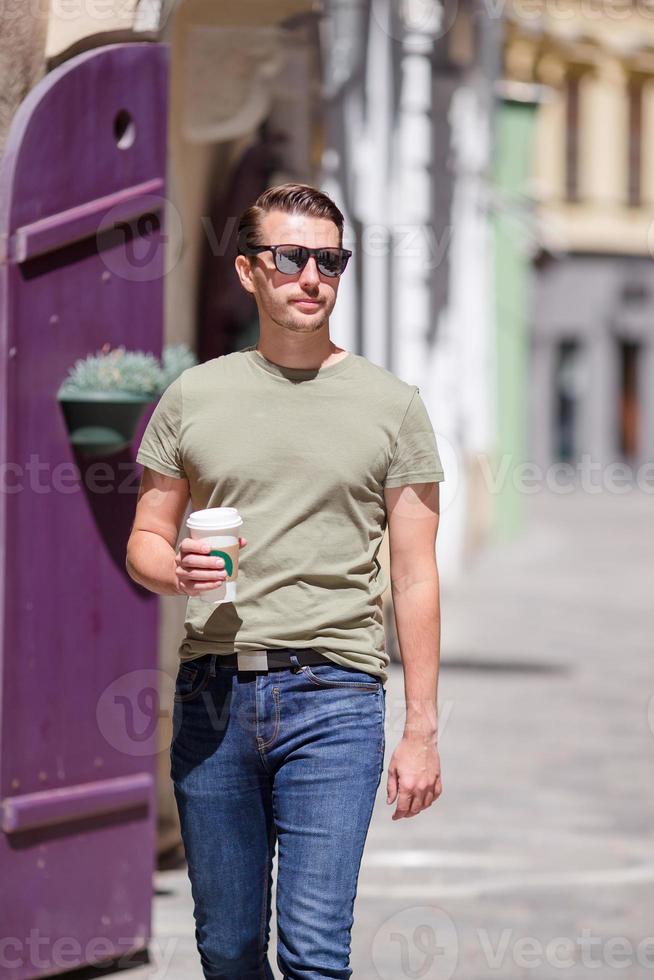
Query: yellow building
592, 310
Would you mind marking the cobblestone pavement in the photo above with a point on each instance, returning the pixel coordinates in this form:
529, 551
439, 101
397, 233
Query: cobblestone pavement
538, 860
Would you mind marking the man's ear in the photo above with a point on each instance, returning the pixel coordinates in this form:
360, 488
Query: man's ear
245, 272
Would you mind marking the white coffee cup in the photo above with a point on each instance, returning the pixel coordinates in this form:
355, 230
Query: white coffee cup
216, 526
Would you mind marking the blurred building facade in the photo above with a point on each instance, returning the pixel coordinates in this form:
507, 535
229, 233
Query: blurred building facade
592, 305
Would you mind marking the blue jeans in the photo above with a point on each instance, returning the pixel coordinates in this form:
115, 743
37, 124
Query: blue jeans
291, 757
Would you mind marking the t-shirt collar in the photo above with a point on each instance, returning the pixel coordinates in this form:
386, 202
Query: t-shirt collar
296, 374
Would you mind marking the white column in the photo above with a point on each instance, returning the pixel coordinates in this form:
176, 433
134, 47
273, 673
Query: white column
372, 150
603, 134
647, 163
410, 211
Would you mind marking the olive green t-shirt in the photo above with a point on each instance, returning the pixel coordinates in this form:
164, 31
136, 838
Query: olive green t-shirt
304, 454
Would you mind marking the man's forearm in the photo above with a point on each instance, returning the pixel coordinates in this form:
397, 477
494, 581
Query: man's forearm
417, 619
150, 561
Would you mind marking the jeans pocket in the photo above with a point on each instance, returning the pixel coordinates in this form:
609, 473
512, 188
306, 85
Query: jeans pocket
191, 680
333, 675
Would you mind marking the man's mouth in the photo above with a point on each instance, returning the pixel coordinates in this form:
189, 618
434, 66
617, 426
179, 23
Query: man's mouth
309, 303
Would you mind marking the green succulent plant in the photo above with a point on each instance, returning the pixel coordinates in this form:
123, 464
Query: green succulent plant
136, 372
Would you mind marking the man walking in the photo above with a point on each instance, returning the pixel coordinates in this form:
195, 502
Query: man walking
280, 699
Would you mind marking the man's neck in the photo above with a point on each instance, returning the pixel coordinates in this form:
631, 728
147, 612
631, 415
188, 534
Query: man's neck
301, 359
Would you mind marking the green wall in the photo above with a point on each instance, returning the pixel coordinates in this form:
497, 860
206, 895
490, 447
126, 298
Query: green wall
512, 231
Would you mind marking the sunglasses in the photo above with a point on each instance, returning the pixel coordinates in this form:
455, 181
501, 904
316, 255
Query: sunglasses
291, 259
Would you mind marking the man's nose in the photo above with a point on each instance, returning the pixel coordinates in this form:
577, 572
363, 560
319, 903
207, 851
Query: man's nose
310, 274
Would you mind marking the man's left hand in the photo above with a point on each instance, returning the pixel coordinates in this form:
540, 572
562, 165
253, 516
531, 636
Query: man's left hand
414, 776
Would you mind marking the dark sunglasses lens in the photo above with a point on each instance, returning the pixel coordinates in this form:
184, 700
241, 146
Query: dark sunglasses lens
331, 261
291, 260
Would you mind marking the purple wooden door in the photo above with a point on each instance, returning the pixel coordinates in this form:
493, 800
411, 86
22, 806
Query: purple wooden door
81, 265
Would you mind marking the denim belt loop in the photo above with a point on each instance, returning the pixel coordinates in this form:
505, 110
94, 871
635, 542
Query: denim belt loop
296, 663
212, 665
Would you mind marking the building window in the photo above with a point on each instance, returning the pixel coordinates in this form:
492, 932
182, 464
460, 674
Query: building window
635, 144
573, 81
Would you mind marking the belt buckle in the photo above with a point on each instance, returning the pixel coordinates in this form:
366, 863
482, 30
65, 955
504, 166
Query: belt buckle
252, 659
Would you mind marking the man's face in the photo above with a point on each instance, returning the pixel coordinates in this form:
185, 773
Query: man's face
301, 302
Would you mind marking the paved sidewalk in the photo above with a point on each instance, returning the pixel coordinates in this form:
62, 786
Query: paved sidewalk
538, 861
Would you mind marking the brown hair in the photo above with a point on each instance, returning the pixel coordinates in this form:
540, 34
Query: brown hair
291, 198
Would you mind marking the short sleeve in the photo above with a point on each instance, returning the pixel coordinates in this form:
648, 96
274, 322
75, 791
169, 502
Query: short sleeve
415, 458
159, 448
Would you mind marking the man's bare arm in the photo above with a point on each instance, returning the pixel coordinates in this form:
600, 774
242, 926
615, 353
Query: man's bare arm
151, 559
413, 514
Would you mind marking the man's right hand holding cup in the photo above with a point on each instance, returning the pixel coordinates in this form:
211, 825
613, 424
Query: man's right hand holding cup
196, 571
